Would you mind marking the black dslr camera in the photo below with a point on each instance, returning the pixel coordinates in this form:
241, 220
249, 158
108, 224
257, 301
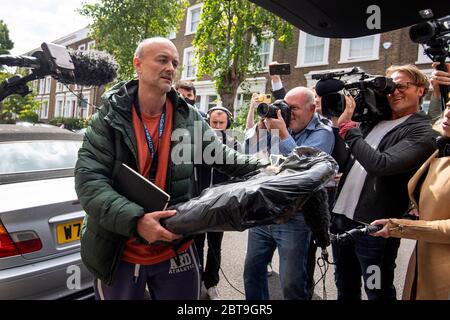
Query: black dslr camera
434, 35
369, 93
265, 110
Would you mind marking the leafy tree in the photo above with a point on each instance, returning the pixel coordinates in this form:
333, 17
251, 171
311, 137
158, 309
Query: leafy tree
5, 43
227, 42
17, 107
241, 118
119, 25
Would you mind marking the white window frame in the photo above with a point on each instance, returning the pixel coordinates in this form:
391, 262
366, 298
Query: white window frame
301, 52
257, 84
41, 86
212, 100
74, 108
59, 86
172, 35
189, 18
44, 111
87, 98
70, 108
67, 108
204, 88
345, 50
423, 59
58, 112
35, 85
185, 60
271, 45
48, 84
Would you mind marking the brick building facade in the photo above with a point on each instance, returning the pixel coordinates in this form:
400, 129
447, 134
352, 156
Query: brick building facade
307, 55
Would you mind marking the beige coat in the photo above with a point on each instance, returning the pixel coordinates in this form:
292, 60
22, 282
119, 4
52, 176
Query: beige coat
431, 257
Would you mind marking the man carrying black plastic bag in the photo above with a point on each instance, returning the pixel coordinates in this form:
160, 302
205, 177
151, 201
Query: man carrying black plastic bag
270, 196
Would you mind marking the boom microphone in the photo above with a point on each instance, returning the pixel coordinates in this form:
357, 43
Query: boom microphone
19, 61
90, 68
350, 235
94, 68
324, 87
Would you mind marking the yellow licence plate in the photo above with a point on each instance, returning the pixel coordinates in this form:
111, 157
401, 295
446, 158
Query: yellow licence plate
68, 232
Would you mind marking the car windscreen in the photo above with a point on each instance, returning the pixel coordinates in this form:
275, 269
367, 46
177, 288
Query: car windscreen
38, 155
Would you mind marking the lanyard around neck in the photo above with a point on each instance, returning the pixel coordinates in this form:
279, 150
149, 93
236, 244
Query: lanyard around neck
148, 137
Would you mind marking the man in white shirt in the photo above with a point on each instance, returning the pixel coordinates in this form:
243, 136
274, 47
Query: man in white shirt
384, 156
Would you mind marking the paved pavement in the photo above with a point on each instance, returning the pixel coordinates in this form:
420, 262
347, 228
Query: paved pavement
233, 255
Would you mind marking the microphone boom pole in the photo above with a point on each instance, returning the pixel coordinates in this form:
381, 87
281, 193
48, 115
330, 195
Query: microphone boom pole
70, 67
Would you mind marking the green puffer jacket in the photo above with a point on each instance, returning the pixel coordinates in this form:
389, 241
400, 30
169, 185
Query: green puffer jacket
111, 219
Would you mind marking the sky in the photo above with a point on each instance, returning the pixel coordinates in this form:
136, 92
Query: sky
31, 22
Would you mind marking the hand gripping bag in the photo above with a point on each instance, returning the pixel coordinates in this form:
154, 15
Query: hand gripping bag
260, 199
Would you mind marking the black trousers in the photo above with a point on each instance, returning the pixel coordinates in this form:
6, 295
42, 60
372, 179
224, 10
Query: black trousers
368, 257
210, 270
312, 259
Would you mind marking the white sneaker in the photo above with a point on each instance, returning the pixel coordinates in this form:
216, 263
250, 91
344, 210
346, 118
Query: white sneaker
213, 293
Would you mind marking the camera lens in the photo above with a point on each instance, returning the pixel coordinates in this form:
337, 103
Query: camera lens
333, 104
263, 110
422, 32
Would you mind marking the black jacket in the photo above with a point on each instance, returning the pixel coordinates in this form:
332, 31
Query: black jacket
279, 94
207, 175
389, 167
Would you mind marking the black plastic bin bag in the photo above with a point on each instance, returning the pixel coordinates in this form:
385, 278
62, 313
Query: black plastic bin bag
264, 198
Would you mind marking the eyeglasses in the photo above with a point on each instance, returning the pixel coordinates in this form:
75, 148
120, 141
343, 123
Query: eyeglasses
404, 86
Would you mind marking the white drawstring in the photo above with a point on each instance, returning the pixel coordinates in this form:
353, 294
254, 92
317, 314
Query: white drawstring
100, 290
136, 272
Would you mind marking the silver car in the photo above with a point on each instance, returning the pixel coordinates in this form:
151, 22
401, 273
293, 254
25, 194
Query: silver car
40, 216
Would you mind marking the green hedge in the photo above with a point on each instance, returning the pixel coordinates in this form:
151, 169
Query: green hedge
70, 123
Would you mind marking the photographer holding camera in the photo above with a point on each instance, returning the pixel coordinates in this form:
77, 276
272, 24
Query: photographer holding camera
427, 277
384, 156
438, 77
296, 124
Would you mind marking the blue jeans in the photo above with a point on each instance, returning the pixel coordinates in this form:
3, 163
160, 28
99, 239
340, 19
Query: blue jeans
292, 239
373, 258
